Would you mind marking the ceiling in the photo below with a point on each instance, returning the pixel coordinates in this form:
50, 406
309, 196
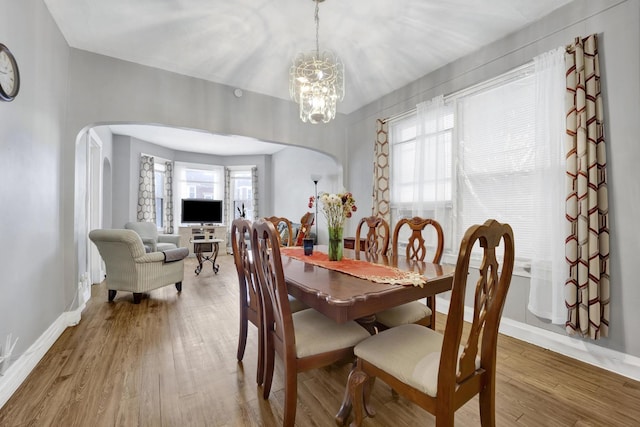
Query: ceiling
249, 44
197, 141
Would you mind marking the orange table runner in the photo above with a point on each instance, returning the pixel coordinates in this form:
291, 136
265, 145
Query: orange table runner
362, 269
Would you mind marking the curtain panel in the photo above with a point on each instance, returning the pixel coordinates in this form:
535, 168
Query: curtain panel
432, 191
229, 214
254, 192
146, 210
381, 205
548, 265
168, 198
587, 210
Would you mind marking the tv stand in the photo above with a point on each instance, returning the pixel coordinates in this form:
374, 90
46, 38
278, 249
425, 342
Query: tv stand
196, 232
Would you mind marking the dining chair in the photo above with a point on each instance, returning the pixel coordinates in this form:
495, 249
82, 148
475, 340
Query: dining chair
416, 249
377, 239
249, 291
279, 221
305, 227
440, 372
304, 340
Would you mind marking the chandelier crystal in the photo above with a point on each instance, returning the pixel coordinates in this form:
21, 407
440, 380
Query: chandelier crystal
316, 82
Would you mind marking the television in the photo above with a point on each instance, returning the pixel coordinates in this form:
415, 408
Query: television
202, 211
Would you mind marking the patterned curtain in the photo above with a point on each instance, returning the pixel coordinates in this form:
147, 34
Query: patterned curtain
254, 191
146, 191
587, 241
229, 215
168, 198
381, 197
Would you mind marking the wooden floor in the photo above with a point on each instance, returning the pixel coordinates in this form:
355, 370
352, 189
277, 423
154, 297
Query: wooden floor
171, 361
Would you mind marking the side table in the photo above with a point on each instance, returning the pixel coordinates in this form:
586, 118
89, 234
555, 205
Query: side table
201, 246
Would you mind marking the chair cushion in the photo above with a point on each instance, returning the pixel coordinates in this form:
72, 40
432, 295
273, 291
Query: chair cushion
161, 247
315, 333
403, 314
411, 353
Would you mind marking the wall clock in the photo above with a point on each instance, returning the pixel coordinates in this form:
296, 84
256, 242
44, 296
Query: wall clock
9, 75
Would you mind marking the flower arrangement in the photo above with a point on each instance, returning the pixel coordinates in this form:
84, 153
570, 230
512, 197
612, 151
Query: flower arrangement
336, 208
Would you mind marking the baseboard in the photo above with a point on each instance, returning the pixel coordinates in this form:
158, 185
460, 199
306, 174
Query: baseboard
22, 367
576, 348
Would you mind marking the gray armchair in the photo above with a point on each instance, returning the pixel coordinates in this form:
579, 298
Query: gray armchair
130, 268
153, 241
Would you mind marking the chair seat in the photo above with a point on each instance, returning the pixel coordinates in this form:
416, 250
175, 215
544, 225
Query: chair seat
165, 246
310, 325
403, 314
411, 353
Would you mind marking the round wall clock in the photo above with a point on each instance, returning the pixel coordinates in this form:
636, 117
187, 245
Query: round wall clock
9, 75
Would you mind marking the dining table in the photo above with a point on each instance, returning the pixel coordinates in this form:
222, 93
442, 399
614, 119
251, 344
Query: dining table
359, 286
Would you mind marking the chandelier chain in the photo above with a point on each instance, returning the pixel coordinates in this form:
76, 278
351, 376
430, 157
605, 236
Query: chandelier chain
317, 19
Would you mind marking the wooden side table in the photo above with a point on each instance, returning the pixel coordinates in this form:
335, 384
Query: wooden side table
201, 246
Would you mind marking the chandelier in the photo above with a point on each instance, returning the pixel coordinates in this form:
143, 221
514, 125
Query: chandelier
316, 82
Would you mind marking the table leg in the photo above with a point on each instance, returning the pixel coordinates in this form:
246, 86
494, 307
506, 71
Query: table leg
199, 267
342, 416
216, 248
369, 323
345, 408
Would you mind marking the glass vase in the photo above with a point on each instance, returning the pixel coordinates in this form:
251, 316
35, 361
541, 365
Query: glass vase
335, 243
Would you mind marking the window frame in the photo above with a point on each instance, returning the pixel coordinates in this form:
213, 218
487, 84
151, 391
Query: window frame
451, 207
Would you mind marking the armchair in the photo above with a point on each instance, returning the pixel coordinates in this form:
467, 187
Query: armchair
130, 268
152, 240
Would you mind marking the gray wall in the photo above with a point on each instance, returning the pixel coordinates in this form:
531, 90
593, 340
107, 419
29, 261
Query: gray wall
65, 90
617, 24
32, 285
292, 185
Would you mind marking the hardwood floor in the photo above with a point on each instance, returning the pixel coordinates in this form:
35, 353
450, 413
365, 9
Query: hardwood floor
171, 361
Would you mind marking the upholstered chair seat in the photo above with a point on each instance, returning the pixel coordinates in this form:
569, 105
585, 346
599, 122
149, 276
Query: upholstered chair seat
311, 325
412, 312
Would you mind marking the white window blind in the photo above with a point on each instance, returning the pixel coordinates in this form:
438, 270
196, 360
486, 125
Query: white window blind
496, 136
476, 162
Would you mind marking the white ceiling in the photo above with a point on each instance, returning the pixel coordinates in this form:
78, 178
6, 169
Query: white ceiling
249, 44
197, 141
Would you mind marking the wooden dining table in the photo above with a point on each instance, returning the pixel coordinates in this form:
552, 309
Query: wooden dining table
344, 297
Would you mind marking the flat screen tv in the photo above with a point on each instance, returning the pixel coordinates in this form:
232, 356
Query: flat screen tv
201, 211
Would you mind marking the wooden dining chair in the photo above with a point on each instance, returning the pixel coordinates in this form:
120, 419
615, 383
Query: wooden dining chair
305, 227
377, 239
441, 372
277, 221
304, 340
416, 249
249, 291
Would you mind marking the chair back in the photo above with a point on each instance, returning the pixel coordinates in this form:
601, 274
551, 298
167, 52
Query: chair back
416, 245
278, 323
457, 370
249, 291
279, 222
118, 245
306, 222
146, 230
119, 249
377, 238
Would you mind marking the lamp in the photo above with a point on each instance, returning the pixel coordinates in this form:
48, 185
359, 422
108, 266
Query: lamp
316, 179
316, 82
